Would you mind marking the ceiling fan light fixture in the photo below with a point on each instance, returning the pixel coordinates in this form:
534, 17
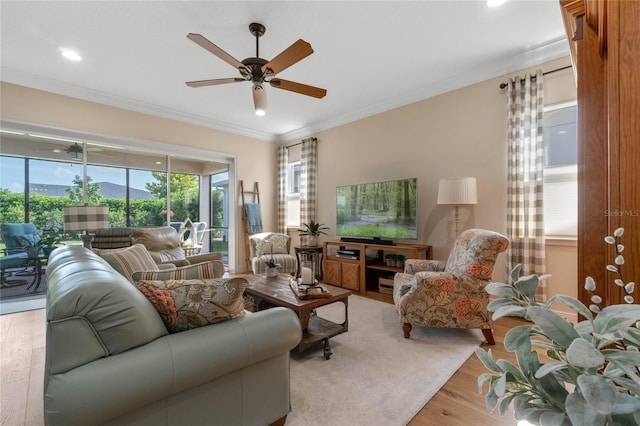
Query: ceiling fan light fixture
495, 3
259, 99
75, 152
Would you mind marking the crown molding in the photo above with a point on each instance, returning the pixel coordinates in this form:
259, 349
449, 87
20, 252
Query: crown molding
554, 49
33, 81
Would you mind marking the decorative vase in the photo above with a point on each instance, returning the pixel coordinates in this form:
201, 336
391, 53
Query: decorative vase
309, 241
47, 250
272, 272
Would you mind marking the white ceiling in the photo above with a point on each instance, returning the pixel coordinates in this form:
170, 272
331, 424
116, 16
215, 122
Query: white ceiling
370, 56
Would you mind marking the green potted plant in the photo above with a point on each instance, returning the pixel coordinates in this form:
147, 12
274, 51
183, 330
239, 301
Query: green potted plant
589, 373
311, 231
48, 243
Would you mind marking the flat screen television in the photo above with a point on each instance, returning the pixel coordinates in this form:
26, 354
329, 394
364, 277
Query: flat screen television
385, 209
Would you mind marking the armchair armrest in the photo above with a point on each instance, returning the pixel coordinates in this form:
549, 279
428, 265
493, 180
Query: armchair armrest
412, 266
204, 270
204, 257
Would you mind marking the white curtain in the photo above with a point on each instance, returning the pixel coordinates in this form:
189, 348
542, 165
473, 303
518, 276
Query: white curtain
525, 220
283, 163
308, 172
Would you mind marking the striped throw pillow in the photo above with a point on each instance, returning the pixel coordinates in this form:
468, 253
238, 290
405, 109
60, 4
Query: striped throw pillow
203, 271
129, 260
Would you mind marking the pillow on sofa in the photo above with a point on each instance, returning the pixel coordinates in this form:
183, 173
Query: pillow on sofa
129, 260
203, 271
187, 304
278, 241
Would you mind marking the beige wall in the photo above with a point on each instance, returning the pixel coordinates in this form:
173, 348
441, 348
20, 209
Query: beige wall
459, 133
255, 158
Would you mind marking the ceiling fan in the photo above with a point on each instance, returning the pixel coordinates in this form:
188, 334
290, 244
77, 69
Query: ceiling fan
260, 71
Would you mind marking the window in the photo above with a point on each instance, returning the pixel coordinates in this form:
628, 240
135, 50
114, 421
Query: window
560, 171
293, 195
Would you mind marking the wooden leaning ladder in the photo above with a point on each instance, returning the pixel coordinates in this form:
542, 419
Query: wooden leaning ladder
256, 199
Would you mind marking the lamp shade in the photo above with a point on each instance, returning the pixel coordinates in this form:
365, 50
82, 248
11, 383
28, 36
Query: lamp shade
85, 218
459, 190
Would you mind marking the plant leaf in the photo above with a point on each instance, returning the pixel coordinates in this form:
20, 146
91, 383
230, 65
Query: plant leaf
500, 290
572, 303
581, 353
516, 337
597, 392
498, 303
581, 413
553, 325
515, 272
616, 317
527, 286
549, 368
487, 359
552, 418
508, 311
625, 404
511, 368
628, 357
504, 404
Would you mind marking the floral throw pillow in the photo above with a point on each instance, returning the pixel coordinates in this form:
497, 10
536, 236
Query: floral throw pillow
277, 241
187, 304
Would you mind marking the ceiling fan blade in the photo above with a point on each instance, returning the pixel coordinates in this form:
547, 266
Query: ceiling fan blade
303, 89
289, 56
201, 83
206, 44
259, 98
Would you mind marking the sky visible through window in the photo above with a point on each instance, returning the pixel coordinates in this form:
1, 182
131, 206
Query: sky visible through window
58, 173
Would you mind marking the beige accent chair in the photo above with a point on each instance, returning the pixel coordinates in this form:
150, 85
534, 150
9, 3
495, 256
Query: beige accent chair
434, 293
163, 243
268, 245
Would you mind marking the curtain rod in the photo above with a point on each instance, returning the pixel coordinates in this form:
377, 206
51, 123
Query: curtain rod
503, 85
296, 144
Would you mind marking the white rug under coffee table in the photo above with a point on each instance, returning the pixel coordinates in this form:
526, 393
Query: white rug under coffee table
375, 376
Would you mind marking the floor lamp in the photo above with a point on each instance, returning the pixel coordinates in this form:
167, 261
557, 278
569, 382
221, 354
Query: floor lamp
85, 218
460, 190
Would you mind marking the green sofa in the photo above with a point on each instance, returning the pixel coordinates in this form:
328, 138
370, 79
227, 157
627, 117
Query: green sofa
110, 359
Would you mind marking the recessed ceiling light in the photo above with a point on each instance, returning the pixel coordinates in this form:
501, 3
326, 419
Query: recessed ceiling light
495, 3
71, 55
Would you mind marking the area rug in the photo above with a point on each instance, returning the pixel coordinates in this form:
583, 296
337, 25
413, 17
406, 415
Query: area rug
375, 376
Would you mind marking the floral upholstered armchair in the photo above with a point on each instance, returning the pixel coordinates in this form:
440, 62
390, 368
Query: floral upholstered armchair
450, 294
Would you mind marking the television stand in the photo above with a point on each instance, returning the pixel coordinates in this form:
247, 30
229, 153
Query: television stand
364, 273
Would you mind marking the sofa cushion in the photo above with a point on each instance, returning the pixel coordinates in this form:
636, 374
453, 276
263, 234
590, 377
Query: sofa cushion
28, 240
187, 304
129, 260
163, 243
204, 270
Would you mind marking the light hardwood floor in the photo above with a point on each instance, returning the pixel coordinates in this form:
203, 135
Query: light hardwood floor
22, 345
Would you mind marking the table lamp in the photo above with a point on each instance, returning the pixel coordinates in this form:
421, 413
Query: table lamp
85, 218
459, 190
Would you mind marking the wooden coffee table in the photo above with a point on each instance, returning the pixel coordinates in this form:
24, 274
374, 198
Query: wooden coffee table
276, 291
